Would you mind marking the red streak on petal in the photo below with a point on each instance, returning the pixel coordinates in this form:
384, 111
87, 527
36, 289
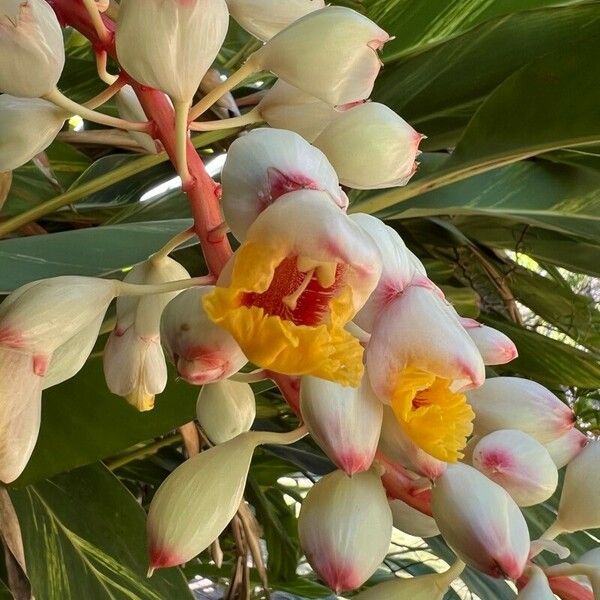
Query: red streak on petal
506, 567
339, 577
281, 183
163, 557
352, 461
312, 306
497, 460
11, 338
40, 364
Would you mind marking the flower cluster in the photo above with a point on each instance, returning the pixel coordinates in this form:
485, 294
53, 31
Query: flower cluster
384, 374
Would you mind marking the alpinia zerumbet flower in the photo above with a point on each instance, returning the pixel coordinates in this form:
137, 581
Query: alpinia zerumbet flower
344, 421
423, 587
519, 463
134, 362
565, 448
32, 54
345, 528
265, 18
225, 409
515, 403
495, 347
267, 163
371, 147
170, 45
418, 359
302, 273
288, 107
481, 522
338, 49
28, 127
201, 351
413, 521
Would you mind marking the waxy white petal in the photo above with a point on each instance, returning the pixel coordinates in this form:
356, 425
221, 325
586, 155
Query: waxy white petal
412, 521
537, 587
566, 447
495, 347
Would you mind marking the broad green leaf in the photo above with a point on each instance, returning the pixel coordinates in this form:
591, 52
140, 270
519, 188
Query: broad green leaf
418, 24
84, 537
532, 112
438, 89
82, 422
93, 252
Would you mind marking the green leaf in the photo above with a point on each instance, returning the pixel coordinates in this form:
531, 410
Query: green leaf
99, 251
82, 422
84, 537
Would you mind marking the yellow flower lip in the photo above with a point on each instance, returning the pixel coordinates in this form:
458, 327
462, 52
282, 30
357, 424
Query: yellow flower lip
435, 418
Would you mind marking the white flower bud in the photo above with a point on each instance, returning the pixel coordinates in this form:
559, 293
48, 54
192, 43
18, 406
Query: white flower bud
345, 528
129, 108
579, 506
226, 106
396, 445
371, 147
28, 127
423, 587
330, 53
537, 588
481, 522
413, 521
519, 463
170, 45
32, 54
265, 18
134, 363
495, 347
515, 403
202, 351
565, 448
225, 409
266, 164
20, 411
287, 107
344, 421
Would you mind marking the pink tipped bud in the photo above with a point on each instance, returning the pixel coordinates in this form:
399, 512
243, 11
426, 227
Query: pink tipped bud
580, 499
32, 54
263, 19
396, 445
481, 522
370, 147
344, 421
344, 73
495, 347
345, 528
537, 588
225, 409
266, 164
154, 42
201, 351
519, 463
566, 447
413, 521
287, 107
515, 403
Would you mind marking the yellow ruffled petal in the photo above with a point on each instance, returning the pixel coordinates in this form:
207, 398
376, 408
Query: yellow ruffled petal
435, 418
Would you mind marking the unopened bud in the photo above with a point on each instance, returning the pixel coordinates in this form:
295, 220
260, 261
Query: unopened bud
28, 127
565, 448
345, 422
266, 164
170, 46
371, 147
344, 73
481, 522
225, 409
201, 351
345, 528
519, 463
495, 347
413, 521
32, 54
263, 19
515, 403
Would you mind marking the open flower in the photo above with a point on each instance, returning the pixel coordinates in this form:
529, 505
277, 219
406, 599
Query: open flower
32, 54
330, 53
302, 273
170, 45
267, 163
265, 19
419, 359
371, 147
